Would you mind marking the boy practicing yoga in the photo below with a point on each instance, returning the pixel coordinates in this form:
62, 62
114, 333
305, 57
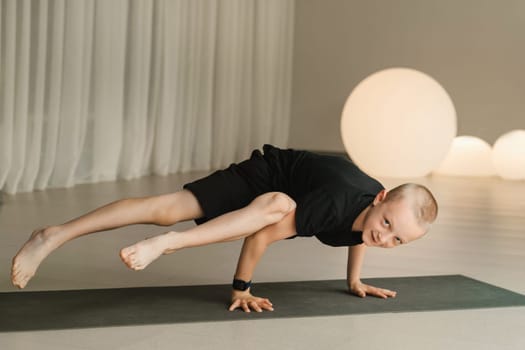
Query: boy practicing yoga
275, 195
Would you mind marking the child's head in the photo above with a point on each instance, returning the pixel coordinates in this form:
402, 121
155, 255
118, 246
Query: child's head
399, 216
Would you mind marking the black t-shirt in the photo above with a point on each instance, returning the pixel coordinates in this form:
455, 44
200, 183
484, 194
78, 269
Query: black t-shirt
330, 193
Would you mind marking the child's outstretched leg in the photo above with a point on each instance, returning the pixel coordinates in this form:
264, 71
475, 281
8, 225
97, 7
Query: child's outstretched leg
162, 210
265, 210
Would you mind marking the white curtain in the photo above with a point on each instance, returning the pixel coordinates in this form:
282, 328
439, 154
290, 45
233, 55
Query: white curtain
99, 90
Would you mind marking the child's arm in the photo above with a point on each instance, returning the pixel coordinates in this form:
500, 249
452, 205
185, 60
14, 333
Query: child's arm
252, 250
356, 256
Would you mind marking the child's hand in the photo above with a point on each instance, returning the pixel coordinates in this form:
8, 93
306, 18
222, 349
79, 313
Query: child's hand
246, 301
360, 289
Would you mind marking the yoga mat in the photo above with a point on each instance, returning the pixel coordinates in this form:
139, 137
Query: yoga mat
47, 310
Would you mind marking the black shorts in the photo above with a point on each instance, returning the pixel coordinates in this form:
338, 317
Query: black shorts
232, 188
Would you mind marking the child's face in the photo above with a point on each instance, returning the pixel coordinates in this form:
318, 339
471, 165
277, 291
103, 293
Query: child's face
390, 224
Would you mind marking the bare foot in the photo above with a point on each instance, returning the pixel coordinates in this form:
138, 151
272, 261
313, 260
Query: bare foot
29, 257
143, 253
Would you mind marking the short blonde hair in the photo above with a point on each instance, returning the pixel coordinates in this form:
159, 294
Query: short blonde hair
423, 202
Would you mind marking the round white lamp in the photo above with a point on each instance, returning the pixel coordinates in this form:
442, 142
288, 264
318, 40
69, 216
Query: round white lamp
468, 156
398, 122
508, 155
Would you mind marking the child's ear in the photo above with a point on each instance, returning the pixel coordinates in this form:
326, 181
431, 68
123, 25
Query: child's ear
380, 197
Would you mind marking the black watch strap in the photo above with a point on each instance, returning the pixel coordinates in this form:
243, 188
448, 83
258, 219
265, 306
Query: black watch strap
241, 285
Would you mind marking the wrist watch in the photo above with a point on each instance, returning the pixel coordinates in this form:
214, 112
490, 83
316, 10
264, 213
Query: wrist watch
241, 285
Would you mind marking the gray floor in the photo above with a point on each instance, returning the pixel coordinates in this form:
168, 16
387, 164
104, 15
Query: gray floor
480, 233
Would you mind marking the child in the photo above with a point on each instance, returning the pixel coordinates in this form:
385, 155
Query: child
277, 195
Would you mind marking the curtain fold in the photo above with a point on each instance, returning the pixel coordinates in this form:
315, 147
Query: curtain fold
98, 90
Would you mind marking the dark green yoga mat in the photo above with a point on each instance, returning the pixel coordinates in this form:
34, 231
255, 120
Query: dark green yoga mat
46, 310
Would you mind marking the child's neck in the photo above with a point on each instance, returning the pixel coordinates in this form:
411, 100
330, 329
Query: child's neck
358, 222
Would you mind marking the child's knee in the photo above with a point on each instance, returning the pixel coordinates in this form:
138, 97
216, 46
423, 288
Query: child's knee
275, 205
283, 203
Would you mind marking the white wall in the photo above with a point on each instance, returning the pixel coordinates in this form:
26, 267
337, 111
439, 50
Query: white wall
474, 48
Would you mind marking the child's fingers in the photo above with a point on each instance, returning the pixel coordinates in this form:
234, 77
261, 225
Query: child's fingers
378, 292
392, 293
235, 305
247, 305
384, 293
359, 293
267, 305
268, 301
388, 293
255, 306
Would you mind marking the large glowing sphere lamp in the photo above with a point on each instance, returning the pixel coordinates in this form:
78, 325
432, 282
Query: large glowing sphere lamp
398, 122
508, 155
468, 156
